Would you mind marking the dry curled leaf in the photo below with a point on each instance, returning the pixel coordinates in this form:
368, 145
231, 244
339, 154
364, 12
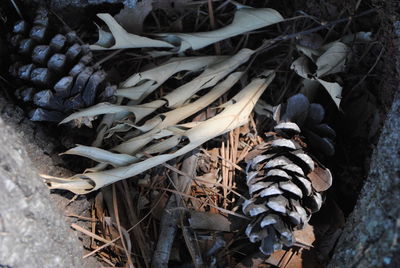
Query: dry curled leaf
231, 117
332, 61
140, 85
208, 78
246, 19
155, 126
123, 39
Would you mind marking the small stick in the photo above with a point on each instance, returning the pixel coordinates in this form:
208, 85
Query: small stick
212, 23
138, 234
108, 243
268, 44
201, 180
224, 173
169, 219
116, 213
88, 233
17, 9
81, 217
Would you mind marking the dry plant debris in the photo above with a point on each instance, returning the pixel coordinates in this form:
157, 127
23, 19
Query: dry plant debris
184, 127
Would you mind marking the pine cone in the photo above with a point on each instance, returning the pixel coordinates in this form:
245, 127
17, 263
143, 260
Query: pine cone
285, 181
57, 72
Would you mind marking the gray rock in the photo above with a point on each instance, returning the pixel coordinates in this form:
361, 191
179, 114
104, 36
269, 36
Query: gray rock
33, 233
370, 238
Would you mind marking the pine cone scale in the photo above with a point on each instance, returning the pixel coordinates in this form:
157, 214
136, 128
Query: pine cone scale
58, 69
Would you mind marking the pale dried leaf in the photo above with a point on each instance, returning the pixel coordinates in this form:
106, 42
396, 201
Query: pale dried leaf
232, 117
106, 39
102, 156
334, 89
332, 60
155, 77
123, 39
246, 19
162, 121
208, 78
301, 67
107, 108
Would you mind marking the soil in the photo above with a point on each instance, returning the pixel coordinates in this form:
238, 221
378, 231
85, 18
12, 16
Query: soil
369, 86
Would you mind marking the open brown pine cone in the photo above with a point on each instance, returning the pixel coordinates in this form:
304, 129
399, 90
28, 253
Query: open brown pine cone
285, 181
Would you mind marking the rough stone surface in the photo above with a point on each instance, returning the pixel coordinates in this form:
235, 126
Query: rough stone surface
32, 232
38, 154
371, 235
370, 238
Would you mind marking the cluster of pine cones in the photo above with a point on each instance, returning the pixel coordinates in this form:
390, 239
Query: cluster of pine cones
55, 70
281, 178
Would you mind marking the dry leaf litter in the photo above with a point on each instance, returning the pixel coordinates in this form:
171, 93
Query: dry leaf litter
182, 131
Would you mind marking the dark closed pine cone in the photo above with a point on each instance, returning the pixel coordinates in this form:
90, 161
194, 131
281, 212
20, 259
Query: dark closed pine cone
56, 71
284, 180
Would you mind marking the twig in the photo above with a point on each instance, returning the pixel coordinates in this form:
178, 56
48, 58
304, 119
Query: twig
212, 23
69, 29
201, 180
109, 56
192, 245
109, 243
168, 229
168, 225
81, 217
17, 9
348, 23
368, 73
138, 234
226, 160
116, 213
95, 236
226, 211
268, 44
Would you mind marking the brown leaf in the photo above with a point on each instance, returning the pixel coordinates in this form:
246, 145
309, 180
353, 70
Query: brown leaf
305, 236
321, 179
297, 257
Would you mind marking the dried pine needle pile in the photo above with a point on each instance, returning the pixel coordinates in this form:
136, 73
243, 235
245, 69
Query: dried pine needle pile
200, 87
